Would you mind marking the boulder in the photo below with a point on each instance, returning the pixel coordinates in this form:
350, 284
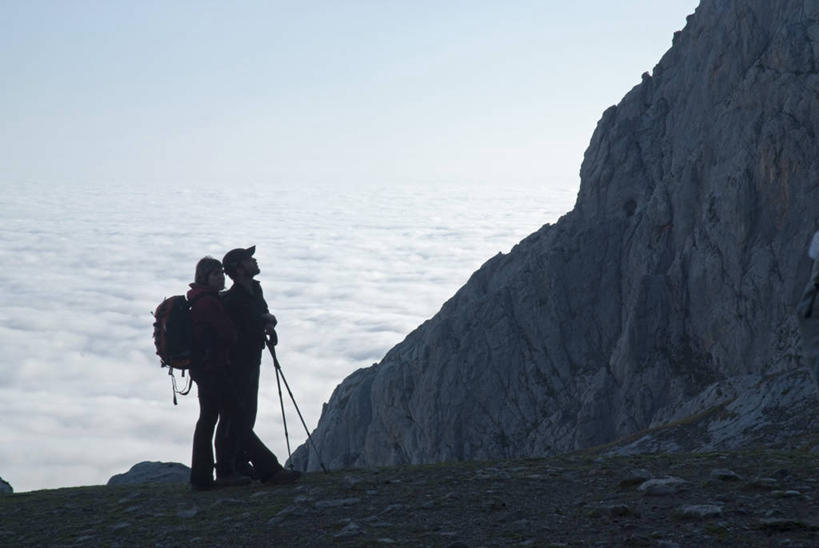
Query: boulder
153, 472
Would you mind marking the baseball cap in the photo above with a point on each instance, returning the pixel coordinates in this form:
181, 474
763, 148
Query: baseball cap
235, 256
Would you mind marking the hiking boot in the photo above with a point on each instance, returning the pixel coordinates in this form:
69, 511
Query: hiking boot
232, 480
282, 477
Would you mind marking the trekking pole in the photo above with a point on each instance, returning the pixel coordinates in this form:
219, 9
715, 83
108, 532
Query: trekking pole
271, 347
284, 419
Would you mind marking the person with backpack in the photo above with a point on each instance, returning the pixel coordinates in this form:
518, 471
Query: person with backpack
245, 305
808, 313
212, 335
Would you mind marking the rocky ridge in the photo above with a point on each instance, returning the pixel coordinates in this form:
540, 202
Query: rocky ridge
664, 297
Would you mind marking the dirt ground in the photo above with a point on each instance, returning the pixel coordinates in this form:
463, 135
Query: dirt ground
747, 498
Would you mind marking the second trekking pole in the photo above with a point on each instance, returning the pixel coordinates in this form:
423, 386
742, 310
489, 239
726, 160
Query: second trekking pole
284, 418
279, 372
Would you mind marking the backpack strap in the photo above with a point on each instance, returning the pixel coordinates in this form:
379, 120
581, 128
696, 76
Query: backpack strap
189, 383
175, 387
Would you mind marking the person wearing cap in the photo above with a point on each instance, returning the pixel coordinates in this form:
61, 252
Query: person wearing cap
245, 305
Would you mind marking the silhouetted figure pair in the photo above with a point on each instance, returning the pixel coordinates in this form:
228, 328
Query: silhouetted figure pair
228, 389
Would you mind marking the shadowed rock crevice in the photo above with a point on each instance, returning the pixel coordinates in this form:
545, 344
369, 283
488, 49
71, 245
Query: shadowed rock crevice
666, 291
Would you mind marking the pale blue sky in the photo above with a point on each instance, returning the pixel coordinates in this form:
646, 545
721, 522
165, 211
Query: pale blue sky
140, 91
493, 102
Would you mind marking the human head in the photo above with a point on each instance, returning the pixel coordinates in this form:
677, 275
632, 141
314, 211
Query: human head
204, 268
235, 262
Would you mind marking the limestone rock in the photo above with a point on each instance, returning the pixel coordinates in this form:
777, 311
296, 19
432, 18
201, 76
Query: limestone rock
636, 477
663, 486
699, 511
662, 303
725, 475
153, 472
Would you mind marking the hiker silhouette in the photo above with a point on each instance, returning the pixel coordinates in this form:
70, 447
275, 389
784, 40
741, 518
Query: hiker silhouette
213, 333
244, 303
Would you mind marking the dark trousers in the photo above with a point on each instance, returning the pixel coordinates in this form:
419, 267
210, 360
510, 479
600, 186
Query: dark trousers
217, 401
249, 446
221, 398
247, 387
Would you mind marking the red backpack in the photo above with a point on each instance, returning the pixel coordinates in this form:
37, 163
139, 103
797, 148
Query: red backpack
173, 338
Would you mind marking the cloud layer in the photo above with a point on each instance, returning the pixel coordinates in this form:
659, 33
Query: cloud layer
349, 272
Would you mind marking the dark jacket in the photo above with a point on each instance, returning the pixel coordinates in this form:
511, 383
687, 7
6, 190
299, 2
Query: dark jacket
213, 332
247, 311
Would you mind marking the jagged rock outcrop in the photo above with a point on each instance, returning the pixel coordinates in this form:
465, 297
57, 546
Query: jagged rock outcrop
5, 487
667, 291
153, 472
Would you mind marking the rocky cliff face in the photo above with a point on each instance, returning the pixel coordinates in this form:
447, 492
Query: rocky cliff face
666, 293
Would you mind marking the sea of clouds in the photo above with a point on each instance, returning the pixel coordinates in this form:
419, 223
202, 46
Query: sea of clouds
349, 271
